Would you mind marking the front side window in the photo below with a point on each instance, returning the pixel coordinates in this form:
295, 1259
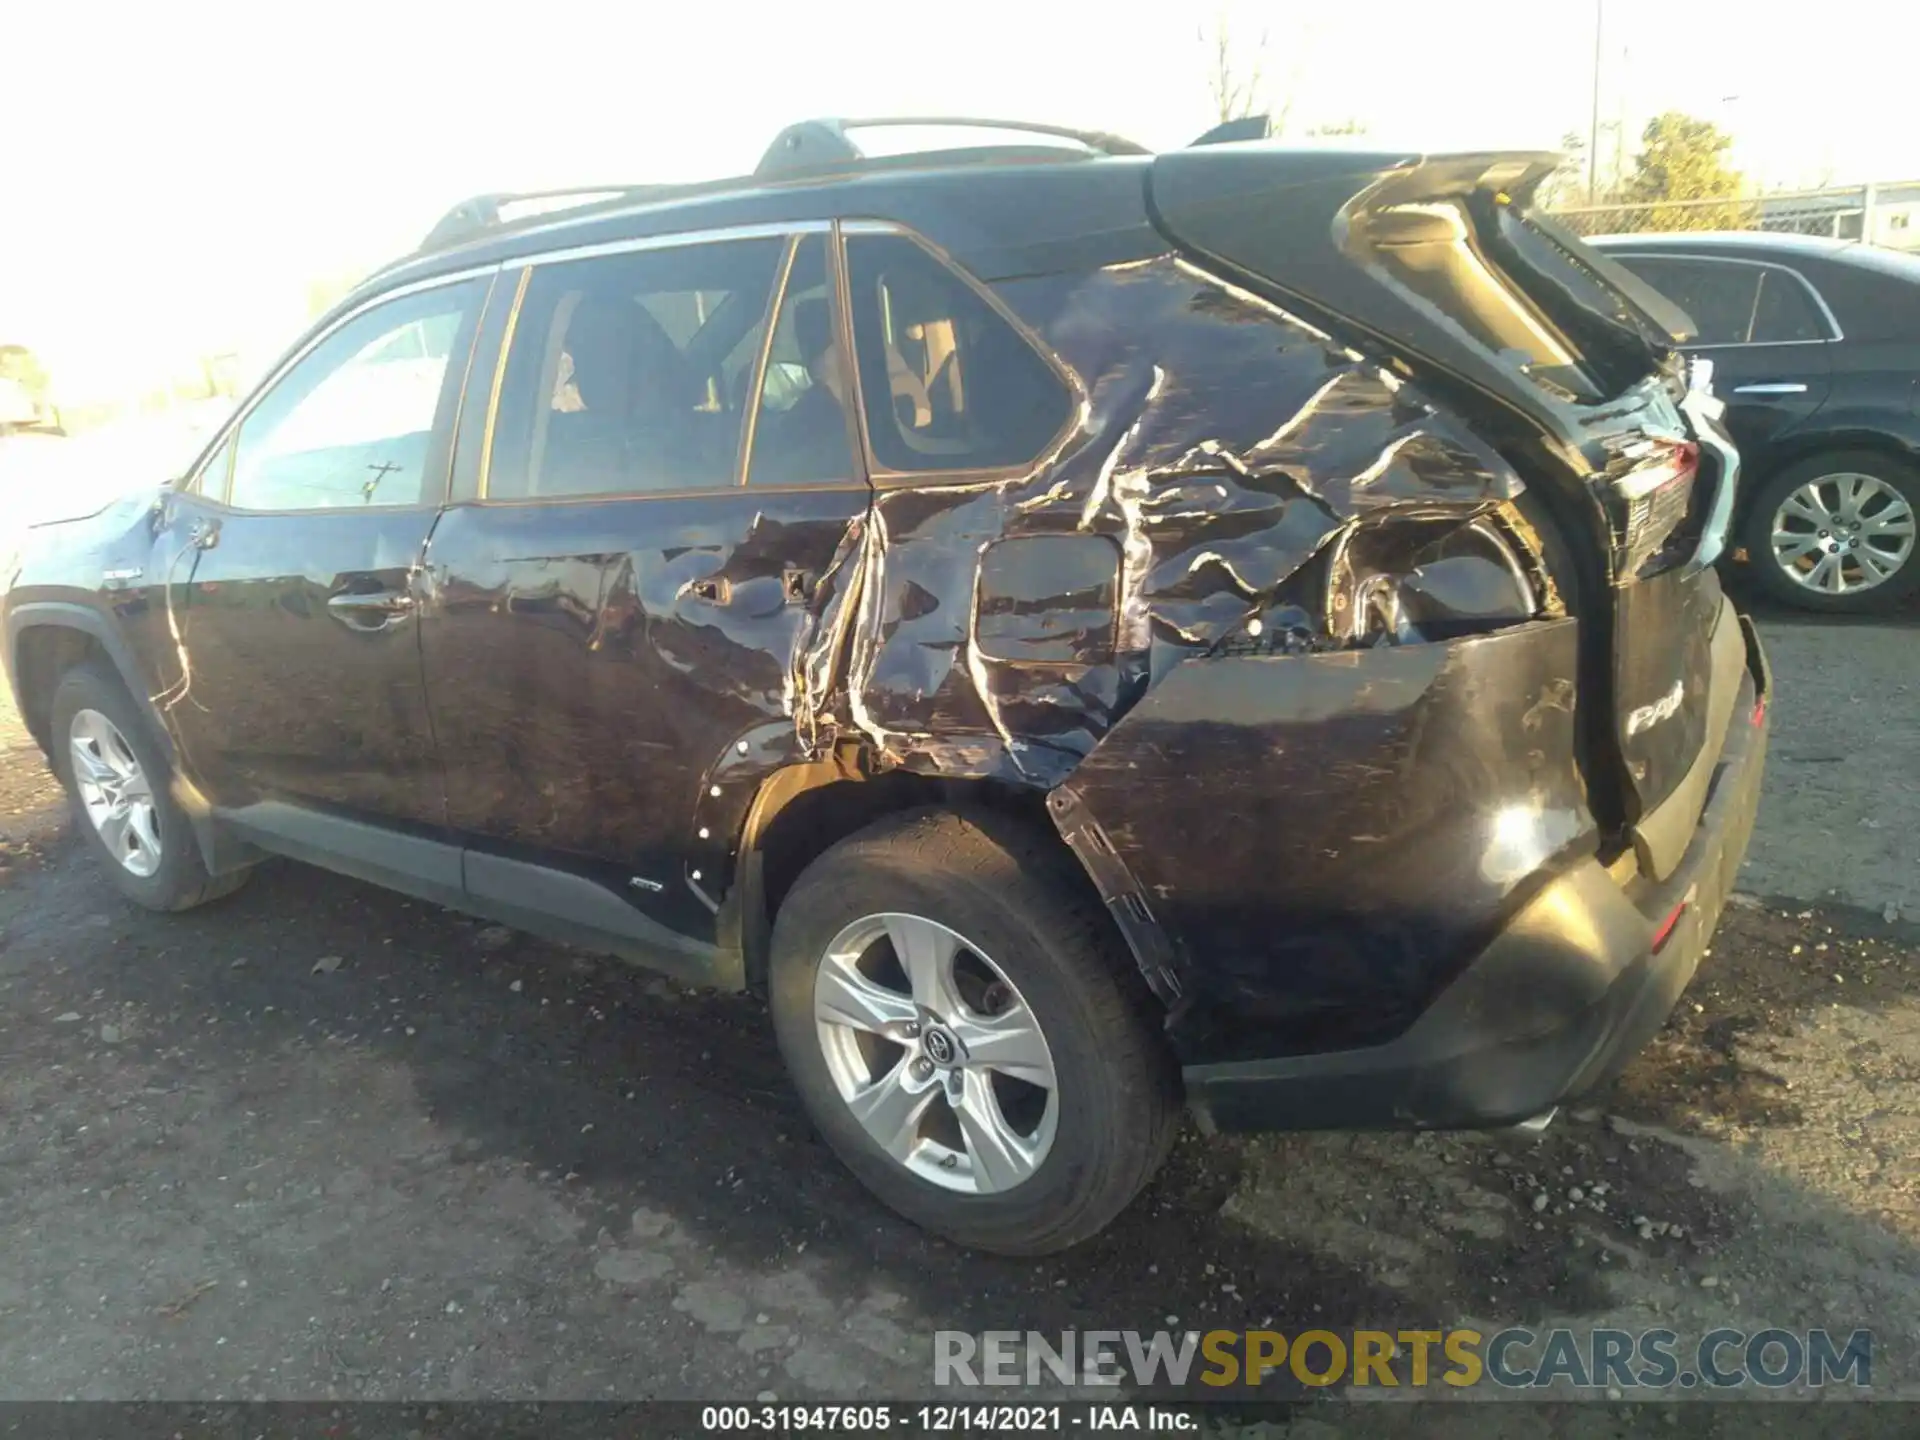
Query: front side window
362, 418
631, 373
210, 480
947, 382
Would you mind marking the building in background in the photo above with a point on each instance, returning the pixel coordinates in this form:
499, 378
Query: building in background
1882, 214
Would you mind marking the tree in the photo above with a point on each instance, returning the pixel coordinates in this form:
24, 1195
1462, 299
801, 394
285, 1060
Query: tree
1238, 77
1234, 74
1680, 171
23, 367
23, 387
1567, 185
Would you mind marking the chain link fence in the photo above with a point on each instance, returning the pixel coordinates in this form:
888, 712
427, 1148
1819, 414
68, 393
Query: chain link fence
1885, 214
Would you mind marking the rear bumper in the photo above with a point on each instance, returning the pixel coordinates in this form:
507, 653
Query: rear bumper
1557, 1004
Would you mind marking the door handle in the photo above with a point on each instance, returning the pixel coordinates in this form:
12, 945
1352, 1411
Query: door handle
370, 610
1772, 387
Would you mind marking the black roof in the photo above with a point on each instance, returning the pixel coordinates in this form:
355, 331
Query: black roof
817, 169
1045, 202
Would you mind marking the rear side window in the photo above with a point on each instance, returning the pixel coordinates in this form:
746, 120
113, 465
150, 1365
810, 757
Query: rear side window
631, 373
1721, 296
947, 382
1786, 312
1733, 303
804, 434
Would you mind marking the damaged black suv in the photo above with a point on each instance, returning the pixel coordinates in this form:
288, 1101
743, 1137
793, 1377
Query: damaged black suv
1082, 631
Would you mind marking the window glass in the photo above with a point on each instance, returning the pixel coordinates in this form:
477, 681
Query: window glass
801, 436
362, 418
629, 373
1786, 311
947, 383
1720, 295
210, 479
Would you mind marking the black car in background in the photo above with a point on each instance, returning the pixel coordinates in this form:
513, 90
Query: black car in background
1815, 345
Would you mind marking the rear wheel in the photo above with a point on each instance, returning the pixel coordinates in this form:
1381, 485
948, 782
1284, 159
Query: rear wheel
1837, 532
118, 782
954, 1014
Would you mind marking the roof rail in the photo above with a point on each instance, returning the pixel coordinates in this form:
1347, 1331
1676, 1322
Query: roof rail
815, 145
482, 213
811, 147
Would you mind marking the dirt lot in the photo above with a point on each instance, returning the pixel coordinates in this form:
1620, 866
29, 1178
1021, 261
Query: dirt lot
463, 1163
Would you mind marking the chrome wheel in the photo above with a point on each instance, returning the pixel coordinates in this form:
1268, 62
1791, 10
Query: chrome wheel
1843, 533
936, 1053
115, 792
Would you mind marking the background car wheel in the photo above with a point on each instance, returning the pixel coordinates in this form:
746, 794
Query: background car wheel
967, 1033
118, 782
1836, 532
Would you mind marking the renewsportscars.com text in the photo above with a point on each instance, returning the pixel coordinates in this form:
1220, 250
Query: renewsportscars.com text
1514, 1358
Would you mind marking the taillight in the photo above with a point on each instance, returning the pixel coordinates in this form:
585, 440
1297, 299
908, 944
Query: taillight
1654, 498
1665, 932
1672, 463
1402, 580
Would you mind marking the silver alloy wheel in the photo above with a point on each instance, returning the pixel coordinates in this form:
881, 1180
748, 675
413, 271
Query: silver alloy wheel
1843, 533
936, 1053
115, 792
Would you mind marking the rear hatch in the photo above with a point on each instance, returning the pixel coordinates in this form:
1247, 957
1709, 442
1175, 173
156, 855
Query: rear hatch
1560, 357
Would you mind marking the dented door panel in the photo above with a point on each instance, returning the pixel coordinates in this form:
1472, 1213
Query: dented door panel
1300, 838
1324, 838
1222, 446
590, 663
1220, 460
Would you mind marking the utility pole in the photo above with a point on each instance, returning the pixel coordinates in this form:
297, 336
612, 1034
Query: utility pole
1593, 130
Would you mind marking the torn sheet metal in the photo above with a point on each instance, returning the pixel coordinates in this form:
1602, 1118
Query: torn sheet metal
1220, 447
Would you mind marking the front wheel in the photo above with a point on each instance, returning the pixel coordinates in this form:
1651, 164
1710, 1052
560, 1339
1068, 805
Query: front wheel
1836, 532
118, 782
968, 1037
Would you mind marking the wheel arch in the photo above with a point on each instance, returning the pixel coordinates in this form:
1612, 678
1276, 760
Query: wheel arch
1796, 446
801, 810
47, 638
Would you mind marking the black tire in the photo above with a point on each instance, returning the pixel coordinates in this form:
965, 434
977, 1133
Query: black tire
1023, 902
1757, 532
181, 880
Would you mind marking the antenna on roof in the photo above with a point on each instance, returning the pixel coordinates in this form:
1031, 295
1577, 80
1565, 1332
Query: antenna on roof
469, 217
1244, 127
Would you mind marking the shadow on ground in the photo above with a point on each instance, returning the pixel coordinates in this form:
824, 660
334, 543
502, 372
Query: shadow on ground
326, 1141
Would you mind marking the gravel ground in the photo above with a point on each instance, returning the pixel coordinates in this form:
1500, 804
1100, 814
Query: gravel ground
323, 1142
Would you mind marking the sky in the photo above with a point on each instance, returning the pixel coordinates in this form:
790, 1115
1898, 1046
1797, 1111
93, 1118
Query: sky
179, 175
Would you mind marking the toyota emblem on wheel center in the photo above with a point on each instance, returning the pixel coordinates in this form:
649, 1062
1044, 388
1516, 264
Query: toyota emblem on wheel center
941, 1047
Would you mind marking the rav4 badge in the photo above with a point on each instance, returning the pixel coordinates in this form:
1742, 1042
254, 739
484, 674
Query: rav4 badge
1645, 717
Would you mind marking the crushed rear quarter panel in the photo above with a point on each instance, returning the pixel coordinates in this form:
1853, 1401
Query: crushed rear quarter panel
1287, 836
